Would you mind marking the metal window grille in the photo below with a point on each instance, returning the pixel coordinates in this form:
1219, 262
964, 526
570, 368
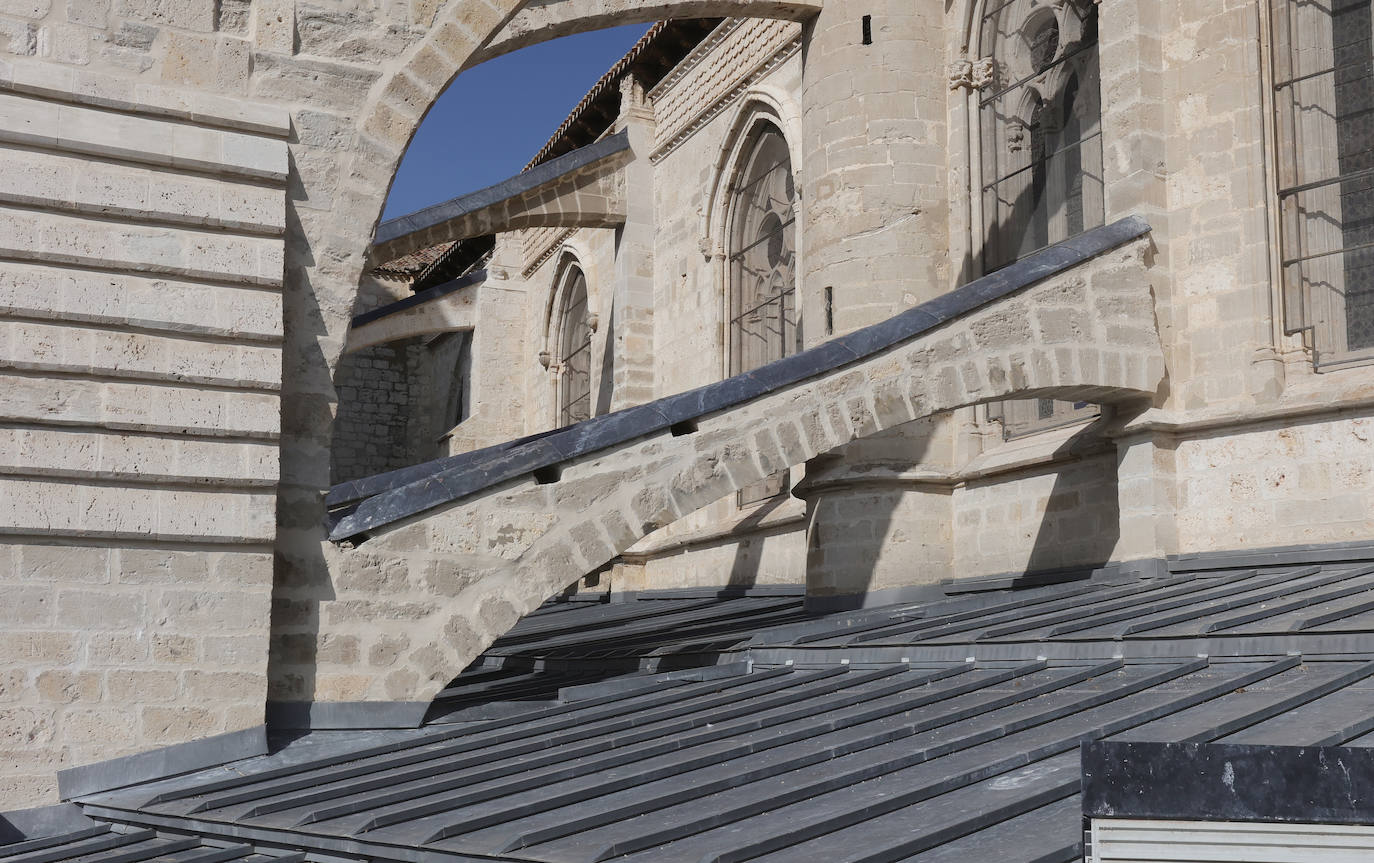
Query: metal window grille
1041, 152
1324, 104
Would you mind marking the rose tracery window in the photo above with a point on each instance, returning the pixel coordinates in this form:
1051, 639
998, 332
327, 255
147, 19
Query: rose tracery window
1324, 101
762, 268
1040, 121
574, 350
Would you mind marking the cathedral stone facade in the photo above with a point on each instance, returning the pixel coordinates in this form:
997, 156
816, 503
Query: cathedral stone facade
203, 328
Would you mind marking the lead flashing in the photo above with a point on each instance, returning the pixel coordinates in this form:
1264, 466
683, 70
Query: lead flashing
344, 715
161, 763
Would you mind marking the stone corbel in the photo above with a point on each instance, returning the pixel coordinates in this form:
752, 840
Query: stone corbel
984, 72
961, 74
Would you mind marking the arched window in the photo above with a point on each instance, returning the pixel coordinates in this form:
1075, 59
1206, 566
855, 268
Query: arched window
762, 261
574, 349
1324, 96
762, 256
1040, 121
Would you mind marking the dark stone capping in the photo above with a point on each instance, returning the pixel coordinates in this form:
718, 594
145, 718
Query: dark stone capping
41, 823
355, 490
161, 763
344, 715
521, 183
413, 491
414, 300
1227, 782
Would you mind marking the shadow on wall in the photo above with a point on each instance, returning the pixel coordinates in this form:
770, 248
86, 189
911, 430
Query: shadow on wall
301, 579
746, 567
1081, 523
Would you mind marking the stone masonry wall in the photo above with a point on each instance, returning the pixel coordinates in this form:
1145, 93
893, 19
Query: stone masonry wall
141, 263
381, 392
1287, 482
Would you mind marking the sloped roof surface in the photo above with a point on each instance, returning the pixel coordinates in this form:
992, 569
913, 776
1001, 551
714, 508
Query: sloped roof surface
696, 725
119, 844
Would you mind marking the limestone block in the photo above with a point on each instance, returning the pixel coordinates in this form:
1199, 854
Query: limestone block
274, 26
32, 290
186, 14
56, 452
26, 8
74, 183
177, 724
38, 236
34, 506
139, 407
91, 13
50, 347
65, 43
79, 129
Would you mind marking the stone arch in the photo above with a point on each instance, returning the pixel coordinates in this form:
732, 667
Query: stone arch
328, 249
471, 568
398, 102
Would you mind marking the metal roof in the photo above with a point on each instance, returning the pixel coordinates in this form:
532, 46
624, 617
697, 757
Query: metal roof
732, 726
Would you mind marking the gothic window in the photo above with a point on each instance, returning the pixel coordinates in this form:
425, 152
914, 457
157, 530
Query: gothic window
762, 267
574, 350
1040, 120
1324, 97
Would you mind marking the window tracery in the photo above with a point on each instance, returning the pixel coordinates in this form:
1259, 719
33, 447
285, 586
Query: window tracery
574, 349
761, 266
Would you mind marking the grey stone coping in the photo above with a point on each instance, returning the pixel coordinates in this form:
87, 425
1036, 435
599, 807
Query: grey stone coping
521, 183
420, 298
411, 491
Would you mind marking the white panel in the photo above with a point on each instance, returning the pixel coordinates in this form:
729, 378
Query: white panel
1143, 841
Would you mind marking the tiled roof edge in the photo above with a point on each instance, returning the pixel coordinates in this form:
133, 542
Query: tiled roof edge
519, 184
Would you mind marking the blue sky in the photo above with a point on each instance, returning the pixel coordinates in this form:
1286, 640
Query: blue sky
493, 118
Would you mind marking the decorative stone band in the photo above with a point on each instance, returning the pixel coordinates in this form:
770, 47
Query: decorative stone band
459, 552
578, 189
